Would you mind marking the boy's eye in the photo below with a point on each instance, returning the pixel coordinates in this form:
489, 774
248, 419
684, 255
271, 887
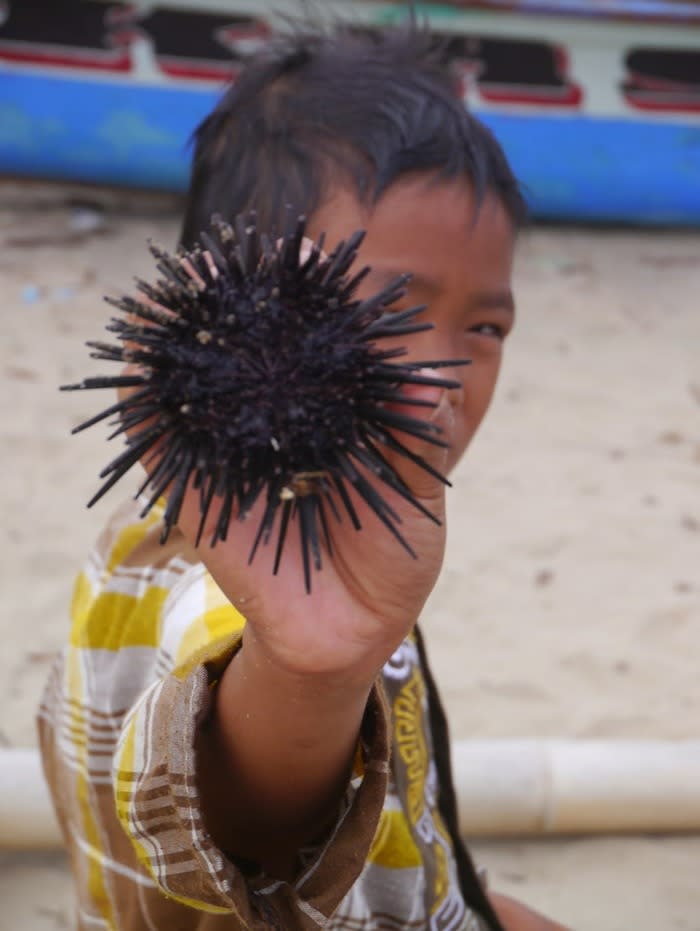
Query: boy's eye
492, 330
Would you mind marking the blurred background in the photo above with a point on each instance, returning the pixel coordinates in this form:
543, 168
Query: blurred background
569, 605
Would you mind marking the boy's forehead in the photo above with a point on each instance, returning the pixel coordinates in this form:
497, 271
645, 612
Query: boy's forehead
434, 230
416, 211
382, 275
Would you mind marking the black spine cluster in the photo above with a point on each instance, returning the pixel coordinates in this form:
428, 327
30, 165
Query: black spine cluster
260, 373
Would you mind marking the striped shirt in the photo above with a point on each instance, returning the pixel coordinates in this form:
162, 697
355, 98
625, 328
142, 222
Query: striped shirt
151, 632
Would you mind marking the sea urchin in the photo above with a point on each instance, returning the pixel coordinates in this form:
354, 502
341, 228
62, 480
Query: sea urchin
260, 373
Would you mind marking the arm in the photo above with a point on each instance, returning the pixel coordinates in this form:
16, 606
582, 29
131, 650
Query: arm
288, 708
286, 744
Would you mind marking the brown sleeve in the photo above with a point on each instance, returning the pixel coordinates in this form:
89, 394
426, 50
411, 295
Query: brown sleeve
158, 804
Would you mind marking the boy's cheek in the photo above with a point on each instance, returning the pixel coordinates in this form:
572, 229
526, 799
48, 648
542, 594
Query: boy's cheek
475, 402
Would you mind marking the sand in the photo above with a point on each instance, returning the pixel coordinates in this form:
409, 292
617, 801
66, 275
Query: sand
570, 600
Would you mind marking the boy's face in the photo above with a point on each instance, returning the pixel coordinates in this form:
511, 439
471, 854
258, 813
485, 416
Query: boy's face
461, 267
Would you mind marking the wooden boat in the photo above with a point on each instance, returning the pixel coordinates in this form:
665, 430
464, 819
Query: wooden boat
597, 102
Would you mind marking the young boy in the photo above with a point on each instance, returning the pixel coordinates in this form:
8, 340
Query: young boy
295, 773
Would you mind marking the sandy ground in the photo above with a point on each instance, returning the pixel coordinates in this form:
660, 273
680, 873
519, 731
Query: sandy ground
570, 600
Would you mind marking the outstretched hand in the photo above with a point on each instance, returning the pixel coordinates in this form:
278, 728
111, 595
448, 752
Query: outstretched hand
370, 590
366, 597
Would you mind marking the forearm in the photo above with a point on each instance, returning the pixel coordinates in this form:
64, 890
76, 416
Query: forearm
275, 757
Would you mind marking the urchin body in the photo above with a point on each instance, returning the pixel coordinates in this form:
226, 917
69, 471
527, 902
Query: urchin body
262, 374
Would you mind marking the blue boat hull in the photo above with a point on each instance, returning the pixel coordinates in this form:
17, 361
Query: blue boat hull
636, 166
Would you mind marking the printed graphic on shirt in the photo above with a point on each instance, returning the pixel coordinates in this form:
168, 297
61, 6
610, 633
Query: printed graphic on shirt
410, 743
417, 789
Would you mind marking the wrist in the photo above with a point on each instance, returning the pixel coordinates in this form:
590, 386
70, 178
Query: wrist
315, 703
312, 670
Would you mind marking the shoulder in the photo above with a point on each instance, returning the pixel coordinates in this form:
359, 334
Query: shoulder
132, 543
120, 595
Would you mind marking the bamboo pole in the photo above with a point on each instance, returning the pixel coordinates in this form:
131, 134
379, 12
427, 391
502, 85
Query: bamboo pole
504, 788
27, 819
534, 786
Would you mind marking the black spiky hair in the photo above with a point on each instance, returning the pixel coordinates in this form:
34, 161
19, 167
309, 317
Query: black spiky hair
344, 106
